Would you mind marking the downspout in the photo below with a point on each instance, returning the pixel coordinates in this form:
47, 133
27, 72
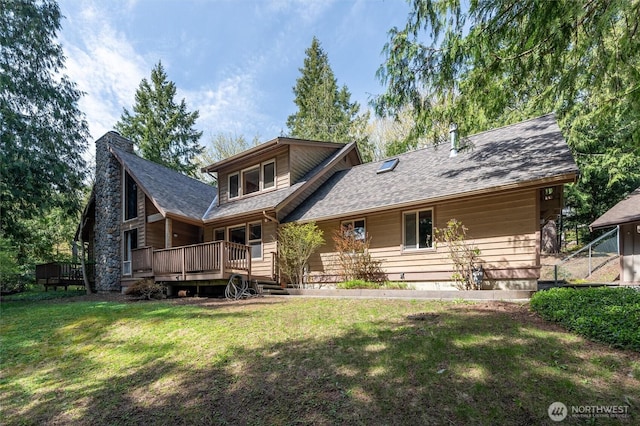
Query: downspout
271, 218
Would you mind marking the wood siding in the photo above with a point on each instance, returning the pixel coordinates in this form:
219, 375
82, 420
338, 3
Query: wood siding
260, 268
630, 253
304, 158
504, 227
343, 164
155, 231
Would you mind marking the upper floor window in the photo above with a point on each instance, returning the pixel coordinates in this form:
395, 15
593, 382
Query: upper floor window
130, 197
251, 180
418, 229
234, 185
269, 175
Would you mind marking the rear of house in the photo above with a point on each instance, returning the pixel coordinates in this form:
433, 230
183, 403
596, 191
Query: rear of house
147, 221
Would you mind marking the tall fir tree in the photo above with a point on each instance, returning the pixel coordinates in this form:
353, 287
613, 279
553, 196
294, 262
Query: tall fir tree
325, 112
495, 62
162, 130
43, 134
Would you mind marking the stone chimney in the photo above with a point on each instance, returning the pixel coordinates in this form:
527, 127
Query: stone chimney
108, 193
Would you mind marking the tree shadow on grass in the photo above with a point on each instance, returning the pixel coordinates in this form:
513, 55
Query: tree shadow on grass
450, 365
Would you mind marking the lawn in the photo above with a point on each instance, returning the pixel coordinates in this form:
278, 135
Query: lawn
89, 361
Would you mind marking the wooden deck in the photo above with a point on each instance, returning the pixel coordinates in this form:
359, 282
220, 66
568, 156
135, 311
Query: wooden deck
62, 274
197, 262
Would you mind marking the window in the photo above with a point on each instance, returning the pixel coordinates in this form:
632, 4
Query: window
254, 179
269, 175
253, 231
357, 227
388, 166
251, 181
130, 243
130, 197
418, 229
234, 185
255, 240
218, 234
238, 235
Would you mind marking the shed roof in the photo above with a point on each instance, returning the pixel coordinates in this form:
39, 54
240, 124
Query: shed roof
626, 211
526, 152
172, 192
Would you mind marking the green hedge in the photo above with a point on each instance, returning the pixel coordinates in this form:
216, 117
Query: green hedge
608, 315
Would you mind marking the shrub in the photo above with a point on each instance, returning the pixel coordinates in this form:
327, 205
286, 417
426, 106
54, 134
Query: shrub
357, 284
463, 255
10, 279
296, 244
354, 258
145, 289
608, 315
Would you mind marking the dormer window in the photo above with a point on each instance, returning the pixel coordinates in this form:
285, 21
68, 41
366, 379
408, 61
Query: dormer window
251, 181
254, 179
234, 185
269, 175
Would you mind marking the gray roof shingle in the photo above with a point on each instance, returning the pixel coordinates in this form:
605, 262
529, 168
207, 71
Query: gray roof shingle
172, 192
268, 200
626, 211
524, 152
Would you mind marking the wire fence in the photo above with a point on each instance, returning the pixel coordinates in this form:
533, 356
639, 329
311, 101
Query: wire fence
596, 262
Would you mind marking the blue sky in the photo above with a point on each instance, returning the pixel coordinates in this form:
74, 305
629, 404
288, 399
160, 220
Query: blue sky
234, 61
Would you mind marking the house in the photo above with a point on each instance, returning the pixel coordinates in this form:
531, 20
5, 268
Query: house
626, 216
147, 221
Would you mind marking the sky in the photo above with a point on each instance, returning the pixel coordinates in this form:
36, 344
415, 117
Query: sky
235, 61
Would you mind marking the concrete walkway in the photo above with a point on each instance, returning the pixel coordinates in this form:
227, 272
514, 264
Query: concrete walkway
511, 295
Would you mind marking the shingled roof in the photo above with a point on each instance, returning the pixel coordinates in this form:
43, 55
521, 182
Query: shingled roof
173, 193
271, 199
511, 156
626, 211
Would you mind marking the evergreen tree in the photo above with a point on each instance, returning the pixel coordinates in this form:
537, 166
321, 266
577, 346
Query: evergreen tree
162, 130
43, 134
496, 62
325, 112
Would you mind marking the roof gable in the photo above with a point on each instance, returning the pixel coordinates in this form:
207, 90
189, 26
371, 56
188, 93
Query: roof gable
626, 211
172, 193
530, 151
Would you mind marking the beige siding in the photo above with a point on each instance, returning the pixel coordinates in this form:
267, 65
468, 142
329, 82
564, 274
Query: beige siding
503, 227
281, 155
154, 236
304, 158
184, 234
259, 267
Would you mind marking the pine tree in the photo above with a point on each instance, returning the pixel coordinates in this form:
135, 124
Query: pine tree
162, 130
43, 134
325, 112
496, 62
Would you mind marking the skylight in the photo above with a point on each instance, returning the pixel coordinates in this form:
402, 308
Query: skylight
388, 165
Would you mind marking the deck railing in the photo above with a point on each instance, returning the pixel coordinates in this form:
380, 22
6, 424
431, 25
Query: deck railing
212, 257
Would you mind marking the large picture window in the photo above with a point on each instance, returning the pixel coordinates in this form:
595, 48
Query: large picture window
251, 181
418, 229
130, 197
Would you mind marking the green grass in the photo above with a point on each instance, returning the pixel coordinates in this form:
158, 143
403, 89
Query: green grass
298, 361
608, 315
